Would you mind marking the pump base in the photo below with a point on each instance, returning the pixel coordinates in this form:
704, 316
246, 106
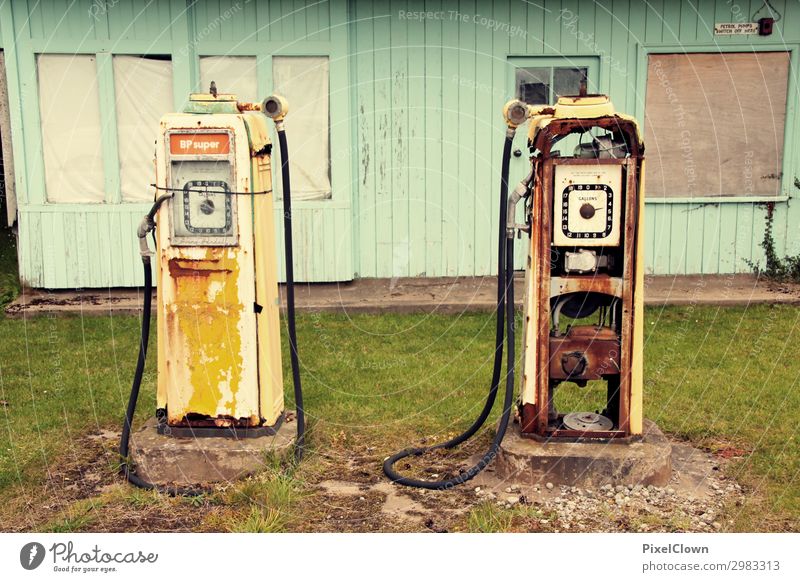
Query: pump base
586, 464
172, 460
228, 432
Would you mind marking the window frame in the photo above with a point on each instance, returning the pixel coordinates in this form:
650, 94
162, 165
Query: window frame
591, 63
108, 119
790, 128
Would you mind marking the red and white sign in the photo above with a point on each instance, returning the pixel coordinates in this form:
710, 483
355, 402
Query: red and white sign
199, 143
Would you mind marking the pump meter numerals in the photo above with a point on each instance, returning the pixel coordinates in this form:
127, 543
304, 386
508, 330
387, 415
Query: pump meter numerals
207, 208
587, 211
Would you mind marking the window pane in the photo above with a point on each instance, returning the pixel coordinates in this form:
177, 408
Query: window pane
714, 123
235, 75
533, 85
143, 93
69, 107
303, 81
567, 81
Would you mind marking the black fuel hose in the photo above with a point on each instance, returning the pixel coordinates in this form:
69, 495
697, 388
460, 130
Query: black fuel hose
147, 225
504, 326
300, 442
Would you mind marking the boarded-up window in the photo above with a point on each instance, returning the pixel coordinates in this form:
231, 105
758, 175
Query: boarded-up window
143, 91
714, 124
304, 83
69, 108
235, 75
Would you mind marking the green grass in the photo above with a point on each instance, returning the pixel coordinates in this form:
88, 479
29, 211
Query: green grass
9, 279
718, 377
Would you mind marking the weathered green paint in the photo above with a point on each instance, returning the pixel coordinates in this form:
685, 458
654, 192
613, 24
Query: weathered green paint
415, 126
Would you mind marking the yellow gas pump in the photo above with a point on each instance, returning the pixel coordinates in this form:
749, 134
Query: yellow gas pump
219, 359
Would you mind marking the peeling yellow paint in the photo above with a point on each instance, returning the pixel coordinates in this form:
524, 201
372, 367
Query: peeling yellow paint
219, 361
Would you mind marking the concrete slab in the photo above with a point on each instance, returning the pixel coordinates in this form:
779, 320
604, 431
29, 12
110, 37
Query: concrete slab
420, 295
527, 461
167, 460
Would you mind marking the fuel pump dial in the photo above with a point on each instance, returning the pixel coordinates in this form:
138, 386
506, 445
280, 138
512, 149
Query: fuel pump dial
586, 206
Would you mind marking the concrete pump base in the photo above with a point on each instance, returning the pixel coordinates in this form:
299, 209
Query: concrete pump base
587, 464
169, 460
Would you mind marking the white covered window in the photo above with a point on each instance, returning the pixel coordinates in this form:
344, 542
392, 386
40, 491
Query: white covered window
143, 94
235, 75
69, 107
303, 81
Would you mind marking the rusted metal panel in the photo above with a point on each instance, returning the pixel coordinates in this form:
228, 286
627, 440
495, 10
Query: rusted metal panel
597, 348
594, 283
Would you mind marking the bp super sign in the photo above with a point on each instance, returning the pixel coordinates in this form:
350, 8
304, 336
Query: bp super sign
195, 144
587, 205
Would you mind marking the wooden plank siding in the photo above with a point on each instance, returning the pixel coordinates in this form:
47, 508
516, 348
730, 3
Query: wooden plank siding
415, 121
466, 71
94, 245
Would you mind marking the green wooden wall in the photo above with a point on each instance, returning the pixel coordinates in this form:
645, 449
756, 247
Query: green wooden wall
428, 95
94, 245
415, 122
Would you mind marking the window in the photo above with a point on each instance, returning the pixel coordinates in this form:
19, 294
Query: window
714, 124
543, 85
235, 75
143, 94
304, 83
69, 106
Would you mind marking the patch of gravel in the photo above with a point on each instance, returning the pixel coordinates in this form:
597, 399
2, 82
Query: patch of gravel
634, 508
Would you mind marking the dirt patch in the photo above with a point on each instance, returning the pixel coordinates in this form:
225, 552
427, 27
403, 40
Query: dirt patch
345, 491
84, 472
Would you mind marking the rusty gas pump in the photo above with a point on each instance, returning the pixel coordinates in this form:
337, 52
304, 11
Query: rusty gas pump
583, 306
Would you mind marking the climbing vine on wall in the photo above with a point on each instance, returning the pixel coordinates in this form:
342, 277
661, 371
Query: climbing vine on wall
776, 268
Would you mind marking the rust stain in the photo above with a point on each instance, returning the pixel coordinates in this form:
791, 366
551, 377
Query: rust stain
203, 319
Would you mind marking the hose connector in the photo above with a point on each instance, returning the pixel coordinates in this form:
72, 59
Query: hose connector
521, 191
146, 226
275, 107
516, 112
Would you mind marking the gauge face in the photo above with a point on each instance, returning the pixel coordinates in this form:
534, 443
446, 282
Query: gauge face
207, 207
587, 205
587, 211
204, 210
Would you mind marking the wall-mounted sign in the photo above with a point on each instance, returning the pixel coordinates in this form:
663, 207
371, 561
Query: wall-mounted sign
725, 28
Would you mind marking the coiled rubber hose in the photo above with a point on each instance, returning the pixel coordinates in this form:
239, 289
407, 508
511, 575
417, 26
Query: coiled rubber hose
300, 442
505, 319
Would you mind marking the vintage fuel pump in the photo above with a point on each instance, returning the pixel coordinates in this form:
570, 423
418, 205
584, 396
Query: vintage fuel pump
584, 265
583, 212
219, 358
